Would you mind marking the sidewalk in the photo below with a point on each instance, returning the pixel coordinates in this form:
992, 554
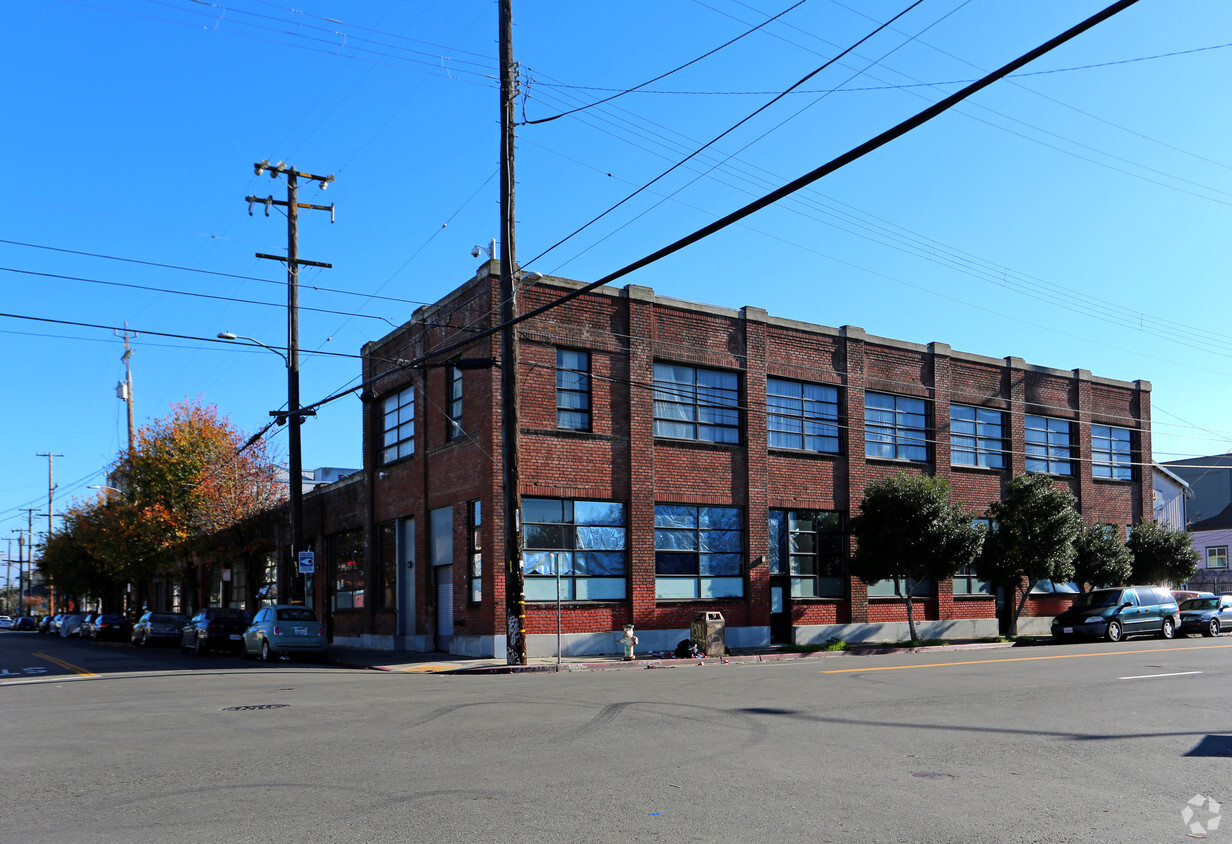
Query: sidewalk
406, 662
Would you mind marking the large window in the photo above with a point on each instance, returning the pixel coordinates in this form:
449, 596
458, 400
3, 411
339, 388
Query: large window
895, 427
1049, 445
966, 582
699, 552
809, 546
1217, 557
453, 405
398, 426
803, 416
1111, 454
976, 437
387, 571
573, 389
696, 404
474, 550
347, 550
584, 542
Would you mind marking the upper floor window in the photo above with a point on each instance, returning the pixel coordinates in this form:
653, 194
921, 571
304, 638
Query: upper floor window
1217, 557
803, 416
976, 437
696, 404
809, 546
1049, 445
895, 427
573, 389
1111, 454
453, 405
398, 425
580, 545
699, 552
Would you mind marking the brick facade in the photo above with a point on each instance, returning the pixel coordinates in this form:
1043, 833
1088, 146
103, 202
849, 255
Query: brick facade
619, 459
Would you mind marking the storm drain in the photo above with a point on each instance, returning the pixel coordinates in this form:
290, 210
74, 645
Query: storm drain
254, 706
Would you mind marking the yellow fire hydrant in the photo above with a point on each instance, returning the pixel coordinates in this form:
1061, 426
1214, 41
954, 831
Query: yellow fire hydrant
628, 641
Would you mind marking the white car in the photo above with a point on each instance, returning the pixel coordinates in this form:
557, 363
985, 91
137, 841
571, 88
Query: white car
71, 626
6, 623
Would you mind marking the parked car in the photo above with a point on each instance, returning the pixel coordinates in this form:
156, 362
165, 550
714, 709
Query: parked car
87, 624
70, 625
6, 623
45, 624
1208, 616
1183, 595
215, 628
108, 626
284, 629
1119, 612
26, 622
154, 627
56, 620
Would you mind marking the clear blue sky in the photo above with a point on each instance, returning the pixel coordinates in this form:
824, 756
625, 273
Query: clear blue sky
1076, 218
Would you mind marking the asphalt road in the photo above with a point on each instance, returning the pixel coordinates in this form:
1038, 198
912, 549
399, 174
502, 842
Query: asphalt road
1068, 743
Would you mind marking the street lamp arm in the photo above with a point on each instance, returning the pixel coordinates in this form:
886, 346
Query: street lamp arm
227, 335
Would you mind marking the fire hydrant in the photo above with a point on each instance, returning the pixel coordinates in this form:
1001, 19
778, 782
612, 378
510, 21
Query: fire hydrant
628, 641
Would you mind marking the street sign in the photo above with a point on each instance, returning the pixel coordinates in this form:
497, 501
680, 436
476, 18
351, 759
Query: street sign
307, 562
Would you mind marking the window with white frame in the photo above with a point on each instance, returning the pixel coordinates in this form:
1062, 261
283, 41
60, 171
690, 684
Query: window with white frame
699, 552
802, 416
573, 389
1217, 557
696, 404
1049, 445
966, 581
580, 545
810, 547
1112, 453
895, 427
453, 406
976, 437
398, 425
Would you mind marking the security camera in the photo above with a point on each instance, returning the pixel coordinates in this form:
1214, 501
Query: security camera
475, 251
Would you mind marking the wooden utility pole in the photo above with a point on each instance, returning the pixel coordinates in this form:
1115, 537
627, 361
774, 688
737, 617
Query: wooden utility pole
515, 597
293, 415
125, 390
51, 489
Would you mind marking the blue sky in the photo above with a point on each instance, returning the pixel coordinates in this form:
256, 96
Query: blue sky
1075, 215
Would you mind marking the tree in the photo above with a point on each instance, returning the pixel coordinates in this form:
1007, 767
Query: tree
1033, 538
1162, 554
1100, 558
908, 531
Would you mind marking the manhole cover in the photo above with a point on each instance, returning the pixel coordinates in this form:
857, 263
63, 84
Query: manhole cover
253, 706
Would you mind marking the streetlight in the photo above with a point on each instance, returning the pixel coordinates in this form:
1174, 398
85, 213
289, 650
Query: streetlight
295, 417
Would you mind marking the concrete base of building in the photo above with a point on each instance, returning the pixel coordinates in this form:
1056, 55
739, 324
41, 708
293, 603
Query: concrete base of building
897, 631
648, 641
367, 641
1035, 625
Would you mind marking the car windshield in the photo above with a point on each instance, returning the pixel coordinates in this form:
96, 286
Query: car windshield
1201, 604
1101, 598
296, 614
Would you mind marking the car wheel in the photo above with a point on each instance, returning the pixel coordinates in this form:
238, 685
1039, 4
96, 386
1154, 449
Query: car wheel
1212, 629
1114, 631
198, 648
1167, 629
266, 653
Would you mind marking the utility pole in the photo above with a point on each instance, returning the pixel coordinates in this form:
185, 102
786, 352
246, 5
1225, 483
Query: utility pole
515, 596
293, 415
125, 389
28, 553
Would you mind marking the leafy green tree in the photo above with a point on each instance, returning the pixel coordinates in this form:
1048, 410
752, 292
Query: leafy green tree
1036, 525
909, 531
1100, 557
1162, 554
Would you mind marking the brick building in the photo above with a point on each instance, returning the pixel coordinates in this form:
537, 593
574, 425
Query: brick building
678, 457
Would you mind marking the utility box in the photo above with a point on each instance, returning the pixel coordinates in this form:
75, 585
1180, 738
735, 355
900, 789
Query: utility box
709, 633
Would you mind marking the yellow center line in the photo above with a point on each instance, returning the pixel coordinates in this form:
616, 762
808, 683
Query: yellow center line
67, 665
1016, 659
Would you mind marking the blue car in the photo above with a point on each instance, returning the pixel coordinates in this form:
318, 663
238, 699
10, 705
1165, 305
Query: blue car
285, 629
1208, 616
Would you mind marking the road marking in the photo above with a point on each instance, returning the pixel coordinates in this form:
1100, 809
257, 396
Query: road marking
1014, 659
1151, 676
67, 665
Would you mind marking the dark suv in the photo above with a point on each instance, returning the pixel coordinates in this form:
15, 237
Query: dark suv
215, 628
1119, 612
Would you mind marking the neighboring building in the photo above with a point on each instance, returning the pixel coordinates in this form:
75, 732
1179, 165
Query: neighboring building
1212, 538
1171, 498
1210, 479
678, 457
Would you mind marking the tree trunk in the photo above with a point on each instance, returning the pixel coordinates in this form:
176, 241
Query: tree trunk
910, 608
1022, 602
